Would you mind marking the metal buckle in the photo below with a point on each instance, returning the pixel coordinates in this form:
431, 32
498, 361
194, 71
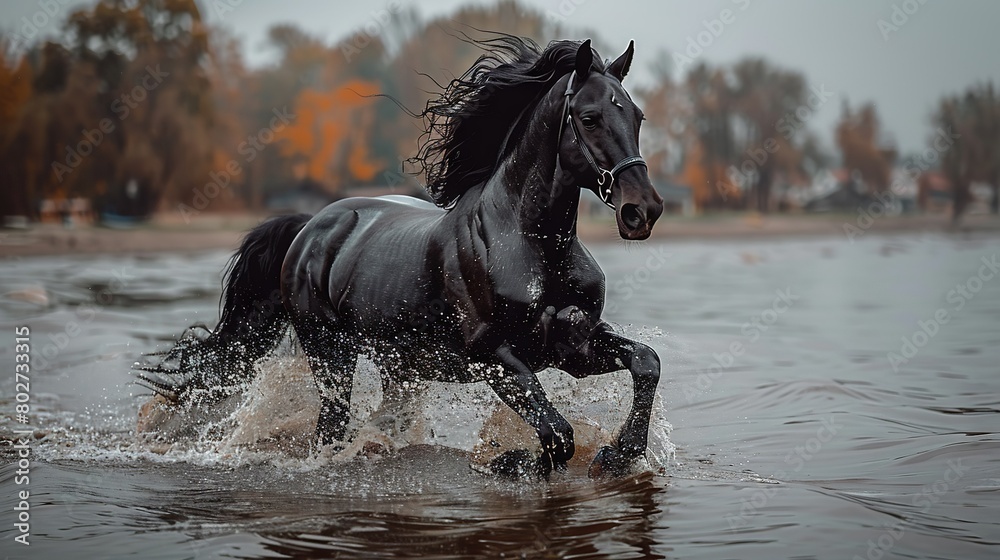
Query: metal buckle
607, 177
605, 192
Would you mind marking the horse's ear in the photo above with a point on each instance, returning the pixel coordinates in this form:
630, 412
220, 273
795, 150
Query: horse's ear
584, 59
619, 68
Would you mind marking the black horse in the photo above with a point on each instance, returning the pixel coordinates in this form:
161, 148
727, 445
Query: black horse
489, 284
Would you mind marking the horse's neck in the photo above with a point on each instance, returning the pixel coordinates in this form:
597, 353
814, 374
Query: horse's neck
543, 200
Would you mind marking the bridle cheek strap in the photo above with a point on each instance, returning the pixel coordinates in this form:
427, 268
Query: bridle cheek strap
605, 178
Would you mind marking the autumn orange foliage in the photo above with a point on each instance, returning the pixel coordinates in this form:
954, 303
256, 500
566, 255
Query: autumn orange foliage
332, 126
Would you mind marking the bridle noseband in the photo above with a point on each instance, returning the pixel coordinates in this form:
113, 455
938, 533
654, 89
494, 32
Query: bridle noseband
606, 178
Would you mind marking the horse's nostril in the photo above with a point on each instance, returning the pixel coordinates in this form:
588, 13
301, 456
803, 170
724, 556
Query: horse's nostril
631, 216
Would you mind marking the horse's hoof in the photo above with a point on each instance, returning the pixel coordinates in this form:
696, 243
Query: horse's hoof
513, 464
543, 466
609, 463
519, 464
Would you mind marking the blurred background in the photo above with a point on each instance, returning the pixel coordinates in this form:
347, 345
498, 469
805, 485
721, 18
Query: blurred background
827, 328
177, 112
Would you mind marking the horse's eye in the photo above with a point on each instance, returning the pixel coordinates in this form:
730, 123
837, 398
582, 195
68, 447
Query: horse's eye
590, 123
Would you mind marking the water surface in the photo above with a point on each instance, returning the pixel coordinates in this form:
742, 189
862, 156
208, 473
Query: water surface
796, 436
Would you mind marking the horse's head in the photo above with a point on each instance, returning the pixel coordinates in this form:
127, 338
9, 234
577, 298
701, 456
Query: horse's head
599, 143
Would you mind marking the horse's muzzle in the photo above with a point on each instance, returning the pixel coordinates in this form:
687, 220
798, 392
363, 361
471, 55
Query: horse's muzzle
635, 221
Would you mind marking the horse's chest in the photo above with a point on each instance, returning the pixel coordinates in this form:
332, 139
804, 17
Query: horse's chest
535, 291
525, 291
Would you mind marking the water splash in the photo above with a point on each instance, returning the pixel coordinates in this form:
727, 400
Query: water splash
274, 419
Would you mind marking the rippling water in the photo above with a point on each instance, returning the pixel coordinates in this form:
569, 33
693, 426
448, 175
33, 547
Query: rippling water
796, 435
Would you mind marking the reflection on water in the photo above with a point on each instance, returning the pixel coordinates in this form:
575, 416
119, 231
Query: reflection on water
423, 502
796, 432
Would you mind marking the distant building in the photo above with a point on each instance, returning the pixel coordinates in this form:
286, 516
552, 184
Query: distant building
904, 189
982, 196
845, 199
934, 192
839, 190
677, 198
66, 210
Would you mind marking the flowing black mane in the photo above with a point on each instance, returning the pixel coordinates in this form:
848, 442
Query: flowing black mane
468, 122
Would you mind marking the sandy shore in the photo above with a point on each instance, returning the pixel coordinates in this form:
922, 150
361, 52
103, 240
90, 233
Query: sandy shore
223, 231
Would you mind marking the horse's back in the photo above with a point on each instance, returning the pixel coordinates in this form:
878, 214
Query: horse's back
362, 252
410, 201
388, 203
355, 216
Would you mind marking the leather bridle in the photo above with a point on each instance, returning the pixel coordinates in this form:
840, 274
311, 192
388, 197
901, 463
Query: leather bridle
605, 178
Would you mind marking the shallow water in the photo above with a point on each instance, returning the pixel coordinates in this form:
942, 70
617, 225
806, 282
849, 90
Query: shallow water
802, 441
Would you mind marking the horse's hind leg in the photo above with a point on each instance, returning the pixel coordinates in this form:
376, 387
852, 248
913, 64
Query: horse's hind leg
332, 356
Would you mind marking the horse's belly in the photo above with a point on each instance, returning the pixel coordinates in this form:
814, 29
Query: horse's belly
412, 360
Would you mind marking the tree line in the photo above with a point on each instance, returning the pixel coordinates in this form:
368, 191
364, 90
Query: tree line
142, 106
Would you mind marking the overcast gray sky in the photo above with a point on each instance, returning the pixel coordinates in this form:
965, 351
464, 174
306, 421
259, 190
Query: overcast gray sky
941, 47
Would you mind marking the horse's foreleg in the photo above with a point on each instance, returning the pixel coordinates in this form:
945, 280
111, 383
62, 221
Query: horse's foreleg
607, 352
520, 389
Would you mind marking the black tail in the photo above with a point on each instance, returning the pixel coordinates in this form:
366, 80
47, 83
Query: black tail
252, 322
